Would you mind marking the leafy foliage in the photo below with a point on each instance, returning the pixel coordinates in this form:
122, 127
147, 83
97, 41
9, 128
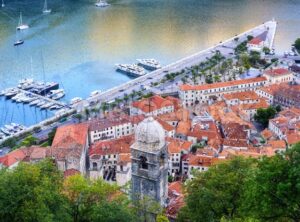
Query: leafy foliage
264, 115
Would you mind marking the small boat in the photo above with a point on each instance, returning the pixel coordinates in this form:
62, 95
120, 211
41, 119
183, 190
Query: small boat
75, 100
56, 94
11, 92
19, 42
5, 131
2, 5
131, 70
34, 102
150, 64
56, 106
46, 106
45, 9
10, 128
41, 103
95, 93
21, 26
102, 4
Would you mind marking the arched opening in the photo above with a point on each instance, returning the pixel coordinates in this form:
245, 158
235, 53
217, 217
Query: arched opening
143, 162
94, 165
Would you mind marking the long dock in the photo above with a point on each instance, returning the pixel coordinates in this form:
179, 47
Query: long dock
226, 48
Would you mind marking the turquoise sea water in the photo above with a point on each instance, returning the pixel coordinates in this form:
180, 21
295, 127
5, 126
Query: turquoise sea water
80, 43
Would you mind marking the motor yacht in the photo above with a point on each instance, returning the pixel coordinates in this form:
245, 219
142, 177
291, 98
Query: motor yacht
150, 64
131, 70
75, 100
102, 4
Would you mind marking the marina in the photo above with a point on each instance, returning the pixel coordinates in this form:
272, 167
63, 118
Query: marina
122, 32
131, 70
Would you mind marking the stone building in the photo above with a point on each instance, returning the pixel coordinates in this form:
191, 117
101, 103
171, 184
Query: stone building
149, 159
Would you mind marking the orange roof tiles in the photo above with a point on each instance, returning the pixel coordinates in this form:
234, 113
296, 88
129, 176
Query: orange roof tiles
247, 95
277, 144
124, 158
68, 136
165, 125
177, 145
70, 172
255, 41
24, 154
267, 134
250, 106
293, 138
235, 143
153, 103
277, 72
183, 127
108, 147
185, 87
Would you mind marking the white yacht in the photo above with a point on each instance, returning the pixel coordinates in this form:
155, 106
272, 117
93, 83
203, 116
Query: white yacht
34, 102
150, 64
5, 131
21, 26
56, 94
131, 70
47, 105
46, 10
95, 93
75, 100
26, 84
102, 4
11, 92
41, 103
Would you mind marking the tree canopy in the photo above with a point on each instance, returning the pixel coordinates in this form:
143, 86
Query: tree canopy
250, 190
264, 115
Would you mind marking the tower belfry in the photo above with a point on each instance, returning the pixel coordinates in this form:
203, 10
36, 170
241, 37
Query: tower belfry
150, 162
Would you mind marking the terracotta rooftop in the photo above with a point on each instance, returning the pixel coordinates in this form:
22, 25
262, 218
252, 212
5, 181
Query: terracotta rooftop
183, 127
70, 172
186, 87
177, 145
247, 95
277, 144
165, 125
109, 147
153, 103
68, 136
124, 158
277, 72
293, 138
235, 143
176, 199
267, 134
24, 154
255, 41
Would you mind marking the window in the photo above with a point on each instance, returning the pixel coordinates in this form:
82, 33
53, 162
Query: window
94, 166
143, 162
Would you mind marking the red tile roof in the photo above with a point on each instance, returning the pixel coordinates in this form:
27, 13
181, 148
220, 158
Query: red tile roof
70, 135
255, 41
108, 147
153, 103
71, 172
222, 84
24, 154
277, 72
177, 145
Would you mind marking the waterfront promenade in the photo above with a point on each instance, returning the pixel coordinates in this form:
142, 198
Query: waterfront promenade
226, 48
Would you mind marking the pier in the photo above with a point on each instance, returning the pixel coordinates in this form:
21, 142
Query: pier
226, 48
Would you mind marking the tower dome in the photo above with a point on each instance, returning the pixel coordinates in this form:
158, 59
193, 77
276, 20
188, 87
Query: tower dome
150, 135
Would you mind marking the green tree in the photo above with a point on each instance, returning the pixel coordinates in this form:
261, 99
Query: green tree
161, 218
273, 193
51, 136
11, 142
218, 192
32, 193
264, 115
297, 44
266, 50
29, 141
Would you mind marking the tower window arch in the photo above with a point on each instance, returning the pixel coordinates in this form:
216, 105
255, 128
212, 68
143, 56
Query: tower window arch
143, 162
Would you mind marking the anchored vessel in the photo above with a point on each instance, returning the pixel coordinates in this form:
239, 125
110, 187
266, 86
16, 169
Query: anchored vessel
131, 70
150, 64
102, 4
21, 26
45, 9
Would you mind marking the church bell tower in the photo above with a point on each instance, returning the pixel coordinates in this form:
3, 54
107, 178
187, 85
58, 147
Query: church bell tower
150, 162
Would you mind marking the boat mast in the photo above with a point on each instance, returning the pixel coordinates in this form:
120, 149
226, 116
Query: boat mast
45, 5
3, 5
